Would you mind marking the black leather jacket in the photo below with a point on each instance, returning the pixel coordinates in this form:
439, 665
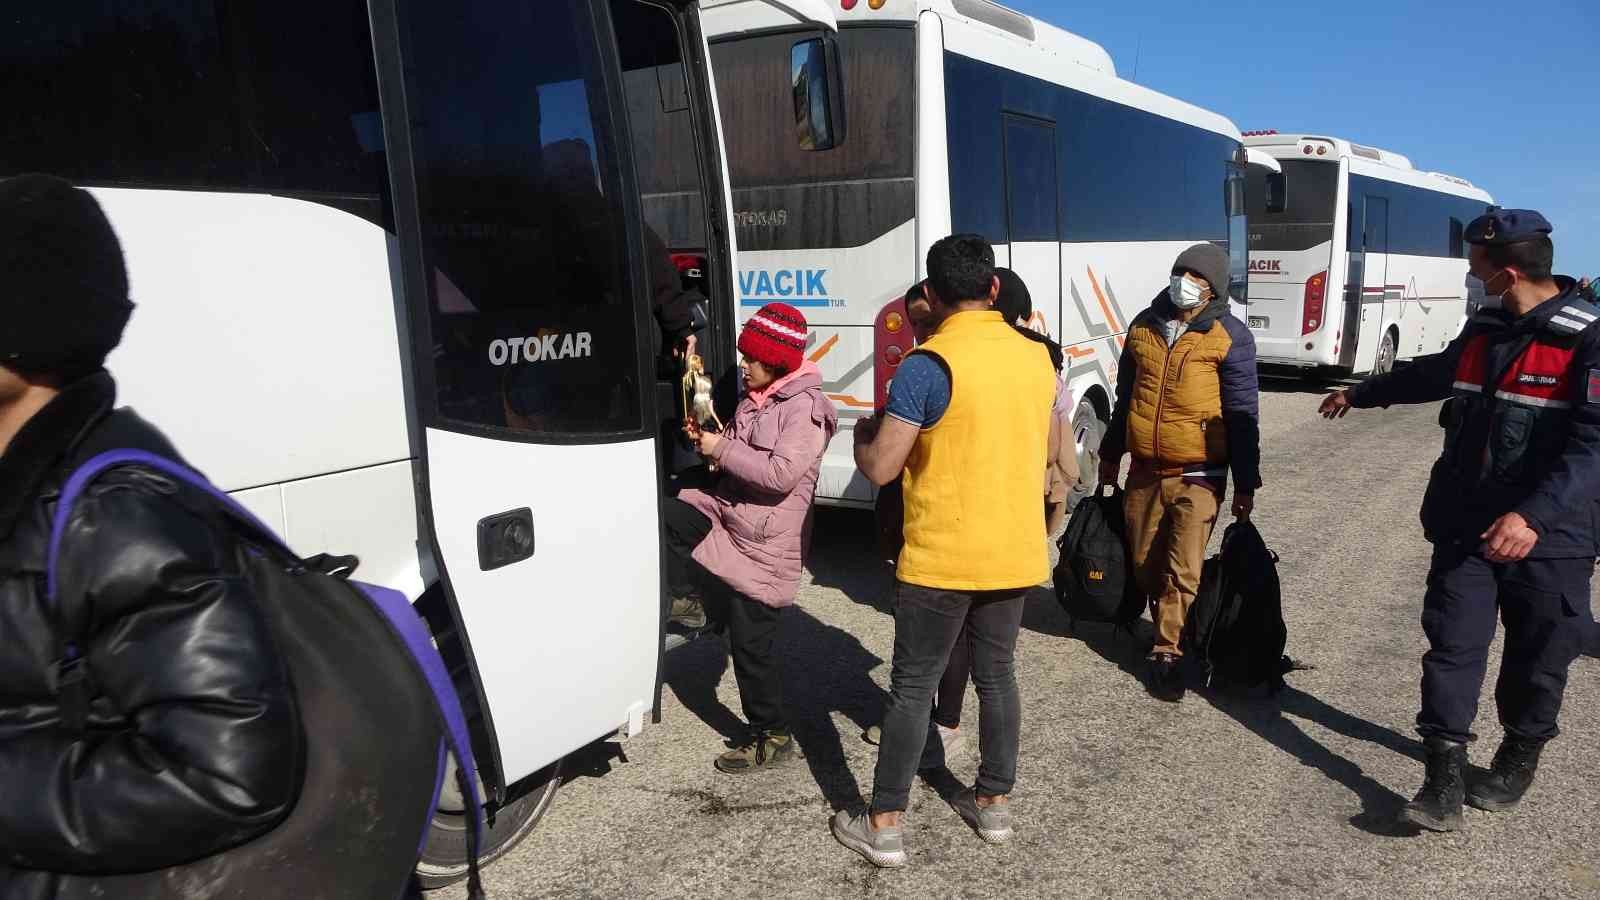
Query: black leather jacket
191, 741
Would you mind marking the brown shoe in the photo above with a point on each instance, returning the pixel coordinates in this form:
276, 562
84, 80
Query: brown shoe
687, 613
763, 751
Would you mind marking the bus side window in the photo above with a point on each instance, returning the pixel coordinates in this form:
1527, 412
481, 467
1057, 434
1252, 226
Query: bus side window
200, 96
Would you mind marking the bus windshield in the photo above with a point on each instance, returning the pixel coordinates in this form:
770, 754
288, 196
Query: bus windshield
789, 198
1307, 220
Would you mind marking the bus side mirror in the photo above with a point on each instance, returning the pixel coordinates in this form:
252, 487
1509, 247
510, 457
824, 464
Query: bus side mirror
818, 86
1277, 198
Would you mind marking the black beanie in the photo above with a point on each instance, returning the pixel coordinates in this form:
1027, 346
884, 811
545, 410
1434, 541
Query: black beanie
63, 287
1012, 300
1208, 261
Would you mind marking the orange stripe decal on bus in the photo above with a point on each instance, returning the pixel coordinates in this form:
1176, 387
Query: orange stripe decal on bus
1112, 320
848, 400
823, 350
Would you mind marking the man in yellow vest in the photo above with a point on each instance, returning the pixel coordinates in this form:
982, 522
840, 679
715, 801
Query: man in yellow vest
966, 428
1188, 411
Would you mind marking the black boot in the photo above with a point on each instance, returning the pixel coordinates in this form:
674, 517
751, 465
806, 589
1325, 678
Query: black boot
1165, 680
1509, 777
1437, 807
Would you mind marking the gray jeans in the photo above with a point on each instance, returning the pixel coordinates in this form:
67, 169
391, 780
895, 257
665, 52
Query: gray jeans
927, 622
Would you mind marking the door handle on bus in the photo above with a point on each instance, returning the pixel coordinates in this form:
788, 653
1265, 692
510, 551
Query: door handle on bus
505, 538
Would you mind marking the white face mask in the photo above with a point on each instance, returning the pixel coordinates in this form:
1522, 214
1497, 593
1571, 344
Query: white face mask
1184, 293
1476, 291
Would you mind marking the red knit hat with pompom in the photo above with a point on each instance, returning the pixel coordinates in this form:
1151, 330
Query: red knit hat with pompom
776, 336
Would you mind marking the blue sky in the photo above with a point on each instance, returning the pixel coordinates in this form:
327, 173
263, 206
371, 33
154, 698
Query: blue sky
1506, 95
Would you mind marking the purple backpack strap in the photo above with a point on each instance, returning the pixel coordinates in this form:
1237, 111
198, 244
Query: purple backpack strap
395, 609
89, 471
408, 626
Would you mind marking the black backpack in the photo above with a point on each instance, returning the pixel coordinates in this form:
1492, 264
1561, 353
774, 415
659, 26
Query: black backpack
1094, 576
1236, 621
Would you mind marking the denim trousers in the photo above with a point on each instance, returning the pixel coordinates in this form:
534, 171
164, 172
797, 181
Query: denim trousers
927, 624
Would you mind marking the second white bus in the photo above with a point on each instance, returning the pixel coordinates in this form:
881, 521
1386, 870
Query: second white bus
1356, 257
965, 116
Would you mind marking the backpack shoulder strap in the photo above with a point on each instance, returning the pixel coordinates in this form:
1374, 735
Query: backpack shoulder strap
408, 626
85, 474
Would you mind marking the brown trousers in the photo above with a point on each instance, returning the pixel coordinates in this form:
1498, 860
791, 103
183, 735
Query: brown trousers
1169, 524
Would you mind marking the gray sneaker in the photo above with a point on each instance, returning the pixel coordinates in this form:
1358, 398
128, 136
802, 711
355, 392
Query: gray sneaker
883, 847
992, 823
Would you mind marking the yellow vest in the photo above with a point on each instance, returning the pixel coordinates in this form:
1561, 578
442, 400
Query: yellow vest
974, 511
1175, 413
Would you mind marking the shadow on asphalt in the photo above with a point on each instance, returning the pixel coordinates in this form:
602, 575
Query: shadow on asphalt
824, 670
1299, 381
842, 557
1270, 719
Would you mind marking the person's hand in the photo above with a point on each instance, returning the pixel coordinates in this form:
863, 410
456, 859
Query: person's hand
684, 348
707, 443
1243, 504
1335, 405
1509, 539
1109, 470
691, 430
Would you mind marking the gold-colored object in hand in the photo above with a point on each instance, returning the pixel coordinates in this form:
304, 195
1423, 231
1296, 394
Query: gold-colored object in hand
697, 394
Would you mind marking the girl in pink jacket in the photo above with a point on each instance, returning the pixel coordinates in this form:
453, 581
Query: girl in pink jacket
751, 527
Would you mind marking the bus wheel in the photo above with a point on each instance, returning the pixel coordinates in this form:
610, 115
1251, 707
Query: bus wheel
1386, 354
1088, 429
444, 856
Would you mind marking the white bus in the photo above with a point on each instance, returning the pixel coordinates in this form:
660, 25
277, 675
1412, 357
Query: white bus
1356, 257
391, 286
965, 116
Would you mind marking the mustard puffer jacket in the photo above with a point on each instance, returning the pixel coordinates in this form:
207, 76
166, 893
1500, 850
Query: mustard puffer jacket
1192, 407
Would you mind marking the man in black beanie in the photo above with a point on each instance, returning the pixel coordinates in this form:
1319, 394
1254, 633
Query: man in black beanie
1188, 413
147, 719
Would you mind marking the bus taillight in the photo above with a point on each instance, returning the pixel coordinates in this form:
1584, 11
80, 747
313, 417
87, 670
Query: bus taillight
892, 339
1316, 293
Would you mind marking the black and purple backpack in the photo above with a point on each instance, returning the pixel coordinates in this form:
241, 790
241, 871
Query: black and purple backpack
377, 708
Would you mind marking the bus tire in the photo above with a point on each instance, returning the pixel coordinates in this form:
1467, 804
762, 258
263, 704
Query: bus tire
1387, 348
444, 855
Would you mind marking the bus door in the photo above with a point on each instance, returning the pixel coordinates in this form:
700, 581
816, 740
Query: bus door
1367, 286
520, 259
1032, 215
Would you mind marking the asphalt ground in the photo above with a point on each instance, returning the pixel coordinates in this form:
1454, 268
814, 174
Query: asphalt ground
1118, 795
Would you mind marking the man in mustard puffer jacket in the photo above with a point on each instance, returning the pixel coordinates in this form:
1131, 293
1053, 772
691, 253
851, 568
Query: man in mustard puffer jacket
1187, 409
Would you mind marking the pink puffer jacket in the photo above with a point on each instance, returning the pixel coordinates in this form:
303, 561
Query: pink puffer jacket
760, 507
